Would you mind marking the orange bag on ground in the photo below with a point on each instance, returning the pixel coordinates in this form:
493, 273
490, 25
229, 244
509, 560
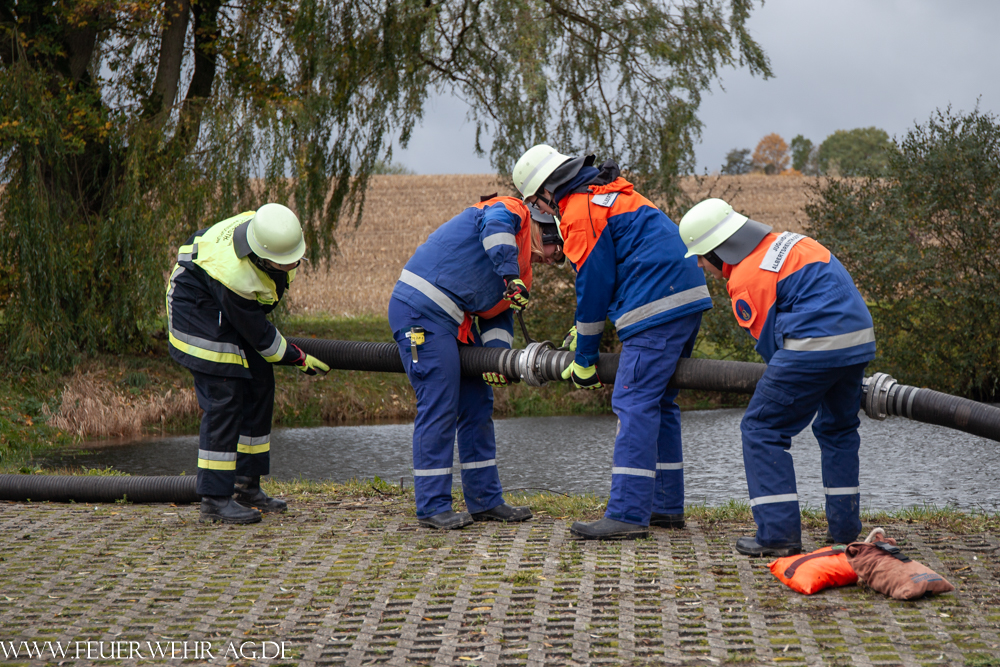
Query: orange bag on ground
881, 565
810, 573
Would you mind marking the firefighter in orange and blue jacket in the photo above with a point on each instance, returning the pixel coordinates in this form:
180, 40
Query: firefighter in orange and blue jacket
814, 330
630, 267
458, 288
227, 278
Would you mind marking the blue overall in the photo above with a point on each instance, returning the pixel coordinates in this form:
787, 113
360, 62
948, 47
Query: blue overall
648, 468
785, 401
447, 403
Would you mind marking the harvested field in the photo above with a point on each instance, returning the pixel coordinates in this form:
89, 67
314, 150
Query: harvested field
402, 211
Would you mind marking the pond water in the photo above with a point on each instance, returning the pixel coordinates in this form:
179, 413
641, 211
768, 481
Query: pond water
903, 463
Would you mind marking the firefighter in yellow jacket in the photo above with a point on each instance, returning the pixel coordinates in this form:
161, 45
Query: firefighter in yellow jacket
227, 278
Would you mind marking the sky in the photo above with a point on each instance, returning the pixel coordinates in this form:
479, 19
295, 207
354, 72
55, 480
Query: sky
837, 65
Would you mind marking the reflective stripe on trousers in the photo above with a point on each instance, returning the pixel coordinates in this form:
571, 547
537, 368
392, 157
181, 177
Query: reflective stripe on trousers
235, 434
448, 405
785, 401
648, 470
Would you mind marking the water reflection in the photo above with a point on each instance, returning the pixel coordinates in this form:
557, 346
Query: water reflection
903, 462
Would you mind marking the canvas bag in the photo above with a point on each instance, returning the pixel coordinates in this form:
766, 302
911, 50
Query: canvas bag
881, 565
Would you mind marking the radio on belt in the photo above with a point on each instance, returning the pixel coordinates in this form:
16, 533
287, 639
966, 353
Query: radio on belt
416, 336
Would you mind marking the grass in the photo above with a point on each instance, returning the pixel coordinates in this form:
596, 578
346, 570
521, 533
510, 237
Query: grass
587, 507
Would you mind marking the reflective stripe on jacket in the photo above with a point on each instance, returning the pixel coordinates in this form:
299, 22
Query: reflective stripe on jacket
217, 302
459, 270
630, 264
807, 313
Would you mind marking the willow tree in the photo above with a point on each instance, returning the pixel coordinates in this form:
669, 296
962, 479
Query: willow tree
126, 125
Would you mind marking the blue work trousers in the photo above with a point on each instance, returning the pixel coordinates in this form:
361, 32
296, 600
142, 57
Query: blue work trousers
648, 470
785, 400
447, 403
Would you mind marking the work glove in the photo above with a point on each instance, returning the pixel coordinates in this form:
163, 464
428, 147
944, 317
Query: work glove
569, 342
584, 377
516, 293
309, 364
495, 379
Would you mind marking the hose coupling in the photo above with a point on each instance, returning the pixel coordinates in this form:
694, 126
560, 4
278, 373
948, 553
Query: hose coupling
877, 390
528, 363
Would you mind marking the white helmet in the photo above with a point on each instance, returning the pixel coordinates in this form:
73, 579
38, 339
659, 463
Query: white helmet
535, 167
708, 224
274, 233
712, 226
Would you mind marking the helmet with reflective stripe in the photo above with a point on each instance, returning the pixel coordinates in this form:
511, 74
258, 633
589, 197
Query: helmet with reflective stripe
534, 168
275, 234
708, 224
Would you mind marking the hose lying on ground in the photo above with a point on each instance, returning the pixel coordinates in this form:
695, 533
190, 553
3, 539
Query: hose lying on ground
90, 489
535, 365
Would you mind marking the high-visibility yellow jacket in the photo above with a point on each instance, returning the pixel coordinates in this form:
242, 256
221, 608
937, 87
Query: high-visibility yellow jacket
217, 302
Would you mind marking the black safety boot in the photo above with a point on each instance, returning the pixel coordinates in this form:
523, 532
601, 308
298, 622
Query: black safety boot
226, 510
503, 512
666, 520
249, 494
830, 540
609, 529
748, 546
447, 520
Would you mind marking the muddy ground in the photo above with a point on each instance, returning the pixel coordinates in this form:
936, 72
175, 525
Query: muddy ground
357, 582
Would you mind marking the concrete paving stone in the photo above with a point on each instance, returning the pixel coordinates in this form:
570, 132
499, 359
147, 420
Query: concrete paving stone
359, 583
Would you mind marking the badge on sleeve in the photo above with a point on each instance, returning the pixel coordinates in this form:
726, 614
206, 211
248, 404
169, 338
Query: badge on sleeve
744, 309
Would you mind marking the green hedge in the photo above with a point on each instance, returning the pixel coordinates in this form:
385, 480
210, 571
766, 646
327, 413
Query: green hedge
921, 241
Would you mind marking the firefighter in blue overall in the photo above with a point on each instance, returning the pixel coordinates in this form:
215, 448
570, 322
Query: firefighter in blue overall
458, 288
227, 278
630, 267
814, 330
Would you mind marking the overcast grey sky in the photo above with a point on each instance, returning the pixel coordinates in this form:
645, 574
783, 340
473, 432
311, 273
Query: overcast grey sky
837, 65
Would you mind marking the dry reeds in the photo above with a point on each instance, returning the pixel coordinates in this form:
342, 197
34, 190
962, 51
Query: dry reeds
93, 407
401, 211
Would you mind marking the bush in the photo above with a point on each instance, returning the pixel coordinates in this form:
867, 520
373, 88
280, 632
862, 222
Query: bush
920, 239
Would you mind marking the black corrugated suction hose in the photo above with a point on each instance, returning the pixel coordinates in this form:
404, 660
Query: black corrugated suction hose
90, 489
883, 396
924, 405
703, 374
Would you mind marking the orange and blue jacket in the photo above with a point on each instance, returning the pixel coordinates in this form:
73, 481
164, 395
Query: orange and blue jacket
629, 261
800, 304
459, 271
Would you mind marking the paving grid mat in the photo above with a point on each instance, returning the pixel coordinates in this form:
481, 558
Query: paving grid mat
360, 583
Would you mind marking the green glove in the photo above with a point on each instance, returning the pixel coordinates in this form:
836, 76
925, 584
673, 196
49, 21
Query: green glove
495, 379
516, 293
584, 377
311, 365
569, 342
307, 363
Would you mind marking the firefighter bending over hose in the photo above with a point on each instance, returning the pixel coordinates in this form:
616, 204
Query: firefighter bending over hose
814, 330
227, 278
630, 267
459, 288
